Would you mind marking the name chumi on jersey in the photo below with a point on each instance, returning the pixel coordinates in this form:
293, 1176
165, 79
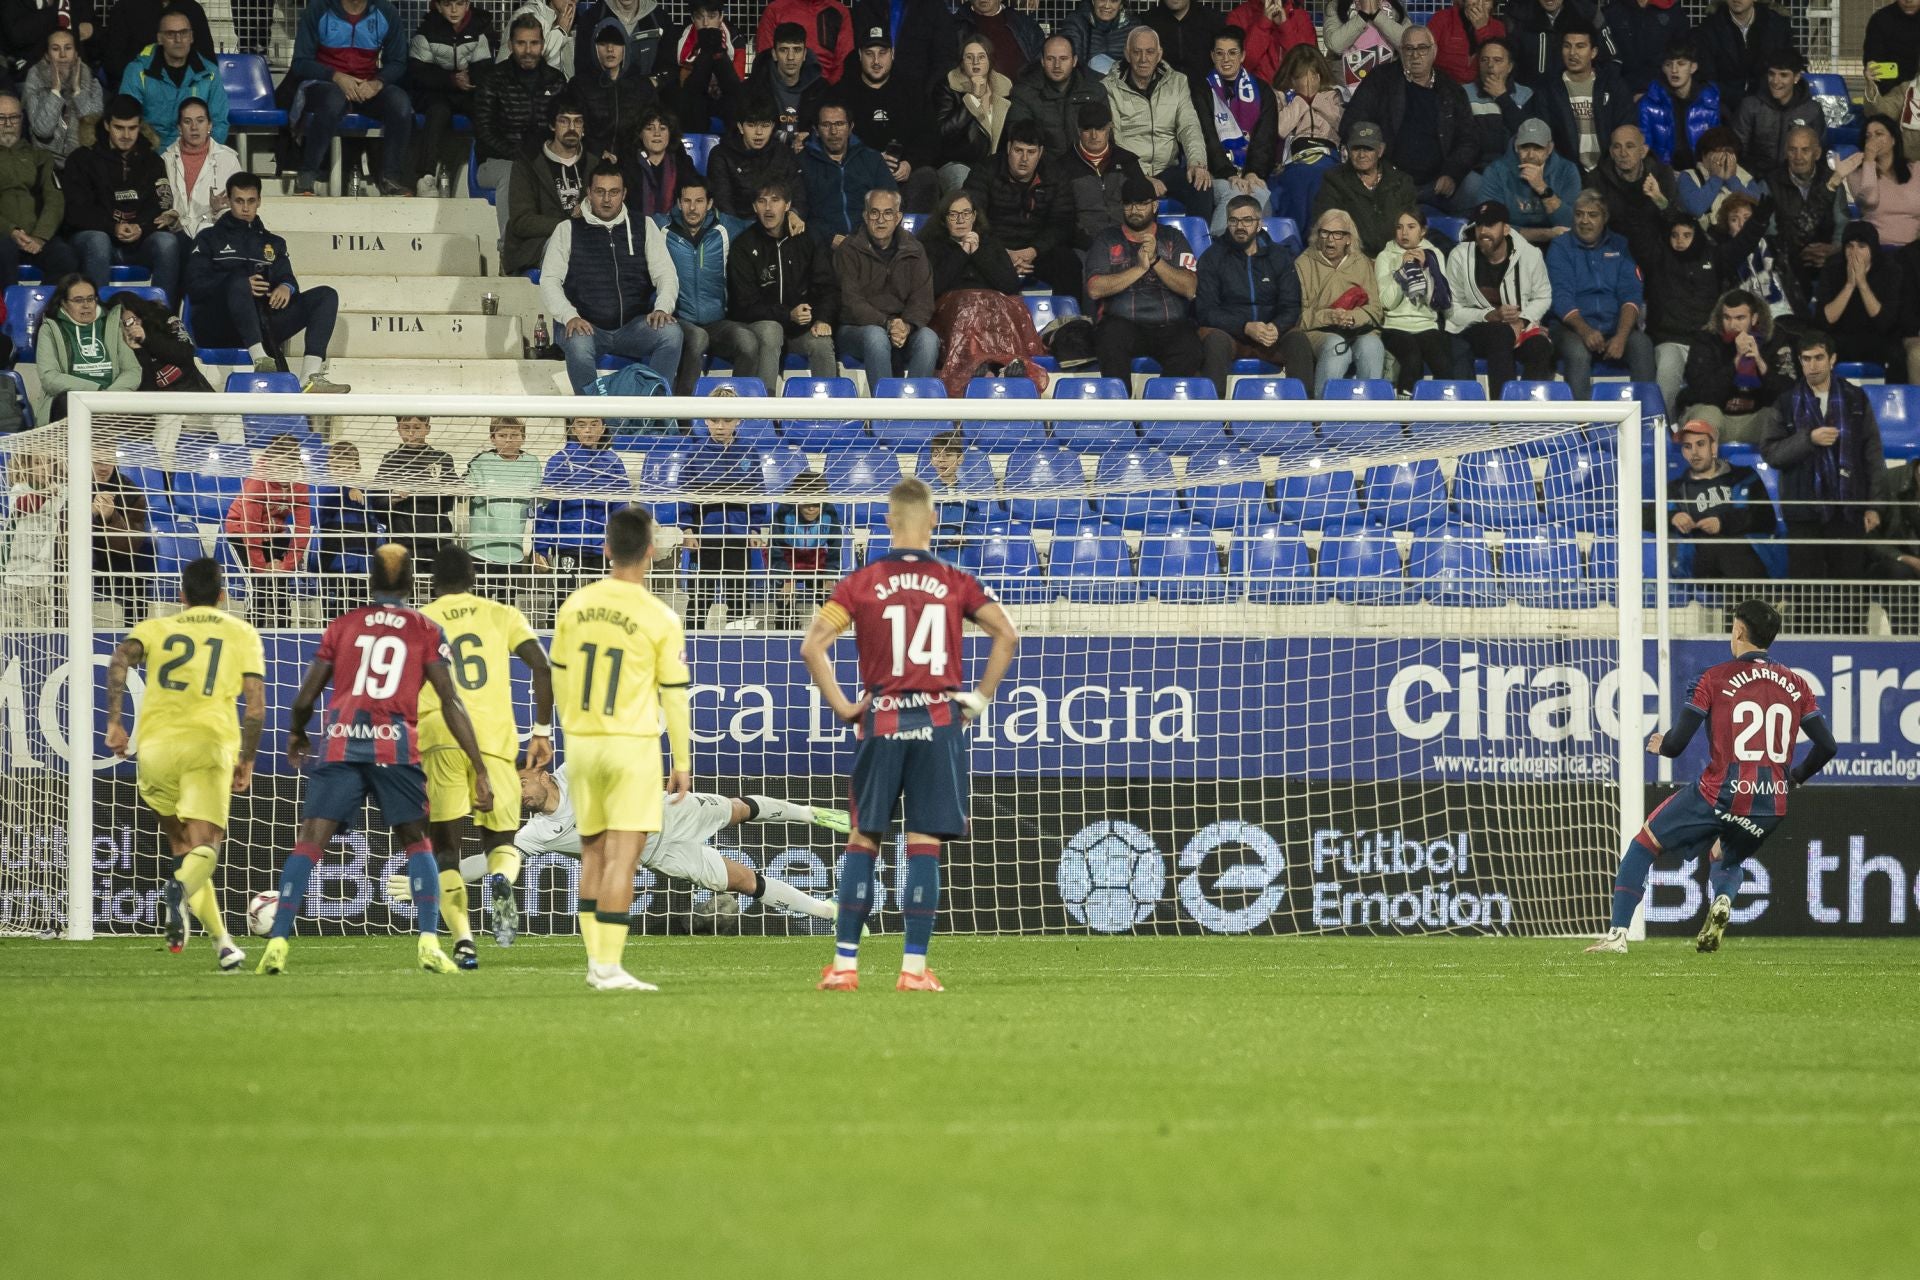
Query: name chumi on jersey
911, 582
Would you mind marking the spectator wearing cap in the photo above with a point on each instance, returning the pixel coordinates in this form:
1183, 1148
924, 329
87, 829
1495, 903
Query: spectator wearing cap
1638, 188
1141, 277
1153, 117
1642, 32
922, 34
1786, 103
1679, 107
1094, 171
1426, 121
1499, 104
1586, 100
1716, 510
825, 24
1719, 174
120, 203
1597, 298
1534, 184
1237, 115
1051, 92
1248, 289
1737, 366
1736, 42
1373, 192
888, 112
1501, 294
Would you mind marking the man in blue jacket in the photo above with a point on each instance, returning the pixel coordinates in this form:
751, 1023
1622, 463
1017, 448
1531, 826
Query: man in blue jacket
350, 56
1597, 299
170, 71
839, 170
1536, 184
699, 239
244, 293
1249, 291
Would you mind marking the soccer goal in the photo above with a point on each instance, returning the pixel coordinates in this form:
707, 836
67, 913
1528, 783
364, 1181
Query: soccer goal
1288, 666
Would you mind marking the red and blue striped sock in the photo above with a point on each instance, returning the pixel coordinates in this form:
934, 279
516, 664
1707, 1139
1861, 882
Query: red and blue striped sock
1630, 885
423, 879
294, 875
922, 903
855, 899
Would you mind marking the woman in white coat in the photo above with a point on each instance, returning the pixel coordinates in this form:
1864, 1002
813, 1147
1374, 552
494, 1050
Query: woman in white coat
198, 169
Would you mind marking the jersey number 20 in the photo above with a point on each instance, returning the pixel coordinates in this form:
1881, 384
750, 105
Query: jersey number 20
928, 648
1772, 724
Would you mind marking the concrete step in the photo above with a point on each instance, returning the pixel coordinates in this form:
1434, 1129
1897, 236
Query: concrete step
458, 215
441, 377
385, 253
434, 295
425, 336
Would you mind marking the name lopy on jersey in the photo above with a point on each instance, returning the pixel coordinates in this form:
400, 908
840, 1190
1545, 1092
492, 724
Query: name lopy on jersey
380, 655
907, 609
1753, 710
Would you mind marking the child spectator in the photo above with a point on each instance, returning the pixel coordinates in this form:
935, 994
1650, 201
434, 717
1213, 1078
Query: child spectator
504, 480
805, 550
272, 520
718, 537
570, 532
417, 521
455, 44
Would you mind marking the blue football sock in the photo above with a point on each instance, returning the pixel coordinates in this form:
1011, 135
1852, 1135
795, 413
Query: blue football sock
1725, 876
855, 897
294, 876
423, 879
1630, 885
923, 896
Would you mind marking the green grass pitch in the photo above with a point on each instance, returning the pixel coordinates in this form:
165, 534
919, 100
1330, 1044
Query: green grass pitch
1115, 1108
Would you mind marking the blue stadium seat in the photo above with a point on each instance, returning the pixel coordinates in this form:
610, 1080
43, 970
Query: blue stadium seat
1194, 229
1604, 567
862, 474
739, 386
1147, 475
1182, 437
128, 273
1494, 490
18, 390
1449, 390
151, 481
1093, 436
25, 303
1318, 499
1182, 566
1280, 436
249, 86
1453, 567
1860, 371
1408, 495
1046, 308
1364, 569
1544, 573
198, 495
261, 429
474, 189
1651, 399
1829, 89
195, 450
1897, 409
146, 291
1004, 558
1540, 392
780, 465
1093, 567
700, 146
1580, 487
262, 383
902, 434
1049, 487
1447, 225
828, 433
1003, 437
1224, 490
1358, 389
1275, 566
657, 481
1335, 430
1284, 231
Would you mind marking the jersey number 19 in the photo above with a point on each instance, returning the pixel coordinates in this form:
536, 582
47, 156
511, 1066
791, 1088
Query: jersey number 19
383, 660
928, 647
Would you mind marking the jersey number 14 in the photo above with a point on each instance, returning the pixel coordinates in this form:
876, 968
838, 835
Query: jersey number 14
928, 647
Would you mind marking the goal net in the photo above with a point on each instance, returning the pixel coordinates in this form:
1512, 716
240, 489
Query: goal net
1286, 666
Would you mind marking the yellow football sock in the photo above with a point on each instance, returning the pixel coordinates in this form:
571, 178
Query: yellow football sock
613, 940
205, 905
196, 870
453, 905
590, 931
504, 861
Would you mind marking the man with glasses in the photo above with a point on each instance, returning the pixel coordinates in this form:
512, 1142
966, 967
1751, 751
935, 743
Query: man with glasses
176, 71
32, 205
840, 172
886, 295
1426, 120
1141, 277
1249, 291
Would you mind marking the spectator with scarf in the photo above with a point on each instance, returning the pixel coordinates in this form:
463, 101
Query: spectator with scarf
660, 167
1736, 368
1745, 257
1826, 446
1237, 116
1415, 293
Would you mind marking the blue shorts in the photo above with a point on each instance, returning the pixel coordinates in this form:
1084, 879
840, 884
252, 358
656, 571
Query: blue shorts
1687, 826
927, 771
337, 790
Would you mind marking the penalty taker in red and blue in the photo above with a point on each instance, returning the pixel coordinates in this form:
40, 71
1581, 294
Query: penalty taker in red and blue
906, 609
1754, 709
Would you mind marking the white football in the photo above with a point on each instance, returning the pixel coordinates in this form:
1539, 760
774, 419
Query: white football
260, 913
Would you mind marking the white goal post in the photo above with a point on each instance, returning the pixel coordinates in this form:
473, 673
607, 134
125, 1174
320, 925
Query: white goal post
1124, 868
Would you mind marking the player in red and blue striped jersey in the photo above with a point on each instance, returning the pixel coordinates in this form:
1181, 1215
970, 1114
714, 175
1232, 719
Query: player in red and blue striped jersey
381, 653
1754, 708
906, 609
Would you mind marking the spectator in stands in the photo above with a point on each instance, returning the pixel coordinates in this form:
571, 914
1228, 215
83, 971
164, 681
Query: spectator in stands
1736, 368
1459, 32
749, 157
32, 206
1153, 117
1643, 31
1307, 120
1273, 29
1364, 35
1051, 92
711, 69
788, 76
1679, 107
970, 110
1882, 181
133, 26
1682, 283
805, 549
344, 526
1736, 42
922, 34
1097, 30
840, 172
198, 169
350, 55
556, 22
1825, 443
1638, 188
1094, 172
886, 294
122, 542
1415, 296
646, 38
502, 480
570, 532
60, 92
724, 470
1247, 288
1370, 191
1237, 116
614, 97
1015, 37
1187, 32
78, 349
1702, 189
1745, 255
1026, 201
23, 36
976, 315
272, 520
889, 113
418, 521
240, 280
1538, 29
1588, 101
781, 284
160, 342
175, 72
1597, 298
1891, 57
1425, 120
34, 528
1501, 294
1809, 209
510, 105
953, 513
1340, 306
455, 41
607, 277
1862, 302
699, 240
1718, 509
1141, 276
1536, 185
120, 203
826, 25
661, 166
1499, 104
548, 188
1782, 104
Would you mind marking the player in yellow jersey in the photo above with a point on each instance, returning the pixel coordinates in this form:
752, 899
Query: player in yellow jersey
194, 755
619, 662
484, 636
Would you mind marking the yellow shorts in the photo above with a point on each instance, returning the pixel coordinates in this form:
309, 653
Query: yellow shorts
450, 789
616, 784
187, 779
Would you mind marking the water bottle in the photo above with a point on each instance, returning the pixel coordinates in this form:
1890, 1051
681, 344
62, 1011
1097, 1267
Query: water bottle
540, 338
